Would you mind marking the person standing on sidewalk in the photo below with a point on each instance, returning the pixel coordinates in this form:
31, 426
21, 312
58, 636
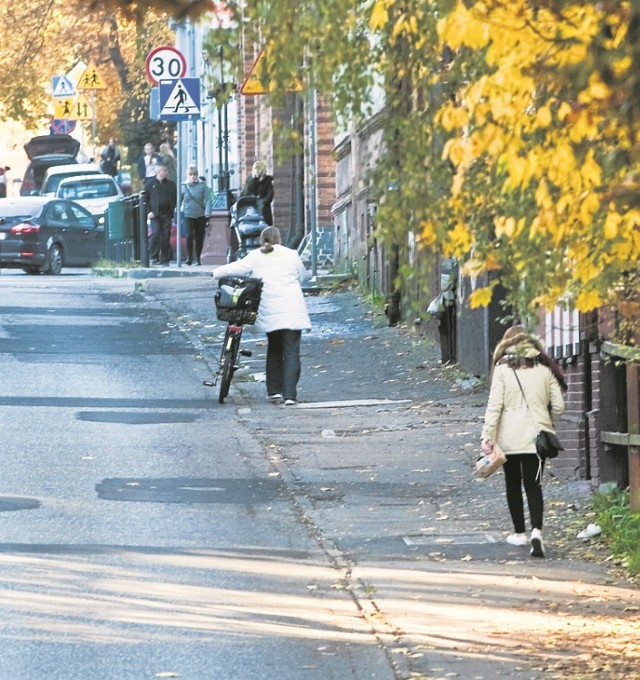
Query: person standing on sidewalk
161, 203
526, 394
148, 162
196, 206
282, 314
261, 185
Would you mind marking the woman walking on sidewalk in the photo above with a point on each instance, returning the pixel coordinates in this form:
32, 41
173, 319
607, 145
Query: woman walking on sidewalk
526, 394
196, 206
282, 314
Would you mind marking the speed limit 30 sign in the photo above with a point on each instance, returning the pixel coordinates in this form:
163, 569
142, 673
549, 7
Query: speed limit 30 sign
165, 62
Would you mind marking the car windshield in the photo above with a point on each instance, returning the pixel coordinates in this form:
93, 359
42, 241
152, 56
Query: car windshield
82, 190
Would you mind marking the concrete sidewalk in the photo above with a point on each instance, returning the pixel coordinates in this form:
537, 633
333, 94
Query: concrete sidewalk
379, 457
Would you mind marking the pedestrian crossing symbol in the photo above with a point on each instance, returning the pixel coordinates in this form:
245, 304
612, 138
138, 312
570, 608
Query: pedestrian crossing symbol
179, 99
62, 87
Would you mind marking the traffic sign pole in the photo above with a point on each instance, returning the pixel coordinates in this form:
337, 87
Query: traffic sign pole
93, 122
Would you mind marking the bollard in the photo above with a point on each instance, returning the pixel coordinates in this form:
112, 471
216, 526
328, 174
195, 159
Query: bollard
142, 228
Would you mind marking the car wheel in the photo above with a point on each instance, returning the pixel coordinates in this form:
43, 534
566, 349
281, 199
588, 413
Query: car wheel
31, 270
55, 260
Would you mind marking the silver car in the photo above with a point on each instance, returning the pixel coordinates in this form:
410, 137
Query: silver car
94, 192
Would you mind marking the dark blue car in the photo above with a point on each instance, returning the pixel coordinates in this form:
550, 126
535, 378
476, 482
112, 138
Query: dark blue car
41, 234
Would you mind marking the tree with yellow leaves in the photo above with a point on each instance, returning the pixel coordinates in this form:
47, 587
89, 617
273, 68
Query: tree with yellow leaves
511, 131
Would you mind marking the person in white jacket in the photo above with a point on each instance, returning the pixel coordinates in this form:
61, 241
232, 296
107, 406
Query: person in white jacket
513, 418
282, 314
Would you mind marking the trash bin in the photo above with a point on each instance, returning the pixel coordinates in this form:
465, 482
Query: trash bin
119, 221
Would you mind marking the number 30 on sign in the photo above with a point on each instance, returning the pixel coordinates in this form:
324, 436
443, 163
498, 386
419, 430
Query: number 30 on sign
165, 62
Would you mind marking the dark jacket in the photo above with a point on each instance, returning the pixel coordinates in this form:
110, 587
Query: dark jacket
161, 197
110, 157
262, 187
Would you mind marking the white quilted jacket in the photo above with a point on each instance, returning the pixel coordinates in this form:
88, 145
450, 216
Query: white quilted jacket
282, 305
508, 421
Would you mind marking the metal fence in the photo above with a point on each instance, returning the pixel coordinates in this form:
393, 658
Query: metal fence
126, 230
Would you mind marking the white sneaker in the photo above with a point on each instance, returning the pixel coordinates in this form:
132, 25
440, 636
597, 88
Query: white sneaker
274, 397
537, 547
290, 402
517, 539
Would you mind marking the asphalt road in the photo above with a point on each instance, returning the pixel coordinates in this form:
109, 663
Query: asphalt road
148, 531
144, 532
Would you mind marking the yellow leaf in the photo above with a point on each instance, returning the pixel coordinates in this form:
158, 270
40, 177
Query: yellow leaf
452, 117
543, 117
379, 16
611, 225
428, 233
480, 297
504, 226
588, 300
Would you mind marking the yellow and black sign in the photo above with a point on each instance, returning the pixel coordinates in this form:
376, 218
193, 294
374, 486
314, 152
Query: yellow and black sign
72, 109
257, 80
91, 79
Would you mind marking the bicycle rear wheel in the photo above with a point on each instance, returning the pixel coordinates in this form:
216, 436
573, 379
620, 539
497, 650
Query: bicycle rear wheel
228, 363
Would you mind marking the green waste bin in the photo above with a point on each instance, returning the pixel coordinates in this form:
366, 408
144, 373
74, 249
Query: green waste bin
120, 221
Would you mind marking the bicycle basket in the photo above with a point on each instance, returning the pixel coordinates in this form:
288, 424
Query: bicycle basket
237, 299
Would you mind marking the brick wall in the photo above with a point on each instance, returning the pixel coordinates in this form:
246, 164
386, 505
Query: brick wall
256, 120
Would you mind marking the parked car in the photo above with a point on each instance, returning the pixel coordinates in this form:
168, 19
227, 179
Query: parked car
39, 234
123, 178
53, 176
44, 152
94, 192
3, 180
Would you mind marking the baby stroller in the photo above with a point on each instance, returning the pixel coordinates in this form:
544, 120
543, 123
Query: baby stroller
247, 224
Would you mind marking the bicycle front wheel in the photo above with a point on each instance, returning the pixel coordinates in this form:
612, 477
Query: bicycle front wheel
228, 365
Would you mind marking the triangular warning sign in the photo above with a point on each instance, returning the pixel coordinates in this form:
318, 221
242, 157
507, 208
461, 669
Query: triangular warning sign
179, 101
91, 79
257, 80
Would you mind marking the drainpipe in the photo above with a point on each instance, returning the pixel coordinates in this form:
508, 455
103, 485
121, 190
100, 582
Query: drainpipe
588, 405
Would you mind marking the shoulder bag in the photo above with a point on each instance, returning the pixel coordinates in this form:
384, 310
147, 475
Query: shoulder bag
547, 442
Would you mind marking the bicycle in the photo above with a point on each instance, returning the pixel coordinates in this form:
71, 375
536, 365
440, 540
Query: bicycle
237, 300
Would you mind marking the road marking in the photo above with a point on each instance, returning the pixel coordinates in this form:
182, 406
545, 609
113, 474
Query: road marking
353, 402
457, 539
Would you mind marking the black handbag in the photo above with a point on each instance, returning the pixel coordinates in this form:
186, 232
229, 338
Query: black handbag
547, 443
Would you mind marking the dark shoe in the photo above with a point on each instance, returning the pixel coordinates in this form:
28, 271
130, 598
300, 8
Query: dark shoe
198, 262
189, 262
165, 262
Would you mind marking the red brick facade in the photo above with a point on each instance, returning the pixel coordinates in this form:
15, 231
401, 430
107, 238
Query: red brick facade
291, 171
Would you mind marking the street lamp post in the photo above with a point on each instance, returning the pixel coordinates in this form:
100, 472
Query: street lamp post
223, 130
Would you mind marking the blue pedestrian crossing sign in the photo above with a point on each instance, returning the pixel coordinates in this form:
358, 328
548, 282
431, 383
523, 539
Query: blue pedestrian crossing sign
179, 98
62, 87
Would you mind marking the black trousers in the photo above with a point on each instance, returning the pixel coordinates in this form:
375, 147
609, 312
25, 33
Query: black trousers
159, 242
283, 363
195, 237
520, 470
